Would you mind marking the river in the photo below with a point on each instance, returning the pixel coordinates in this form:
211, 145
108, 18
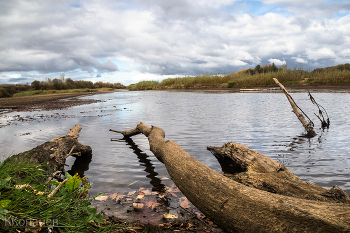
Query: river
262, 121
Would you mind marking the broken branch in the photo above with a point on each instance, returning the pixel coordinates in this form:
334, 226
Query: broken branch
308, 126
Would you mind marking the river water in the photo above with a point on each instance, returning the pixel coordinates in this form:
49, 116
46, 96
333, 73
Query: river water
194, 120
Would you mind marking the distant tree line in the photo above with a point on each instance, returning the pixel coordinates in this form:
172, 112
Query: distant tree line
7, 90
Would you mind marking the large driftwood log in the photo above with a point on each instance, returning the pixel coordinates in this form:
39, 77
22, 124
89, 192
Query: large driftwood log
236, 207
256, 170
55, 151
307, 126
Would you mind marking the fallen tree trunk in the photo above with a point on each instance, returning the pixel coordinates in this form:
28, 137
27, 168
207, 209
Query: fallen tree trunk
307, 126
55, 151
236, 207
256, 170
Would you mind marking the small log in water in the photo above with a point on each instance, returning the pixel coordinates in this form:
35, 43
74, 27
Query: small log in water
236, 207
307, 126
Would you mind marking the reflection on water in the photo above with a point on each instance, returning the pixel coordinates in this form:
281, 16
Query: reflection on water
80, 165
262, 121
147, 163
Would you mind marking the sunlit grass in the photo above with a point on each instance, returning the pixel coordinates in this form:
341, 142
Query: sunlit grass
335, 78
48, 92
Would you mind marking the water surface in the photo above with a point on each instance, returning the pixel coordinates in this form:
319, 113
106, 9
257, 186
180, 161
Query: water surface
194, 120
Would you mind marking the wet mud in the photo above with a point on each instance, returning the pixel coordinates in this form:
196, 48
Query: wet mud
47, 105
167, 211
56, 104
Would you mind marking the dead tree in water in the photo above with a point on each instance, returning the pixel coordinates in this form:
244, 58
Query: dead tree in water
307, 125
240, 207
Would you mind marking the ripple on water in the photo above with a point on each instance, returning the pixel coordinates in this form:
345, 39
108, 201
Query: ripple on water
262, 121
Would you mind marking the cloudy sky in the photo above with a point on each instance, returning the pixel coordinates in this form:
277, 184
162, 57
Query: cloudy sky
128, 41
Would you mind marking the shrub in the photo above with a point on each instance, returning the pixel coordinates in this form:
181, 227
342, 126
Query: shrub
229, 84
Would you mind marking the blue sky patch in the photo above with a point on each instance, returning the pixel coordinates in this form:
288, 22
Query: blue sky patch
256, 8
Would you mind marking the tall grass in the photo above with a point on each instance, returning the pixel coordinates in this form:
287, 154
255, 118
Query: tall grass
143, 85
287, 77
199, 81
333, 76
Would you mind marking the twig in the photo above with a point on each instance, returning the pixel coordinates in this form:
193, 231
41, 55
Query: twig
70, 153
324, 123
57, 188
71, 150
52, 176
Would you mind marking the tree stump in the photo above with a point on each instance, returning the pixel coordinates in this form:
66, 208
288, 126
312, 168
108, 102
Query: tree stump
55, 151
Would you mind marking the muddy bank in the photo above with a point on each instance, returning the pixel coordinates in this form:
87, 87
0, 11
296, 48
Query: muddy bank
45, 102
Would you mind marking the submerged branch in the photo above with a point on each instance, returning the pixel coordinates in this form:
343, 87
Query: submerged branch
324, 123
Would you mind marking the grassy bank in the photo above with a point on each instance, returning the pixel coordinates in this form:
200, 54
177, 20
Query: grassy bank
48, 92
331, 76
25, 204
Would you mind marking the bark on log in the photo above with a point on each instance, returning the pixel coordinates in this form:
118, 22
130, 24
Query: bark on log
256, 170
236, 207
307, 126
55, 151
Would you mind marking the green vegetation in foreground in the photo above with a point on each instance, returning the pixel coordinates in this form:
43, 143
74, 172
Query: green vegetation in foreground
47, 92
260, 76
24, 199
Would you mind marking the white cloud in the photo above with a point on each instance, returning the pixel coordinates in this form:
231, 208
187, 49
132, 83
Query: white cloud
300, 60
345, 53
322, 53
164, 38
277, 62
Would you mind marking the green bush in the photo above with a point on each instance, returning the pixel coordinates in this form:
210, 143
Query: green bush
229, 84
4, 93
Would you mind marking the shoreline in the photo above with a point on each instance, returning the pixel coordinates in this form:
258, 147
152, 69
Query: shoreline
10, 102
46, 102
304, 88
49, 102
